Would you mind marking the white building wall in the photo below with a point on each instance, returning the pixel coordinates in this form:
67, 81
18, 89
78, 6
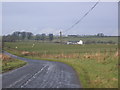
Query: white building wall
80, 42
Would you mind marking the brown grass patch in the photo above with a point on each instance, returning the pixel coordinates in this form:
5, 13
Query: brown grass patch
60, 56
100, 57
0, 56
4, 57
117, 53
96, 56
114, 79
26, 53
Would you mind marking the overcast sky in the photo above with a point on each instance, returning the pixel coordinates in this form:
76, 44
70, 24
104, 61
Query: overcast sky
52, 17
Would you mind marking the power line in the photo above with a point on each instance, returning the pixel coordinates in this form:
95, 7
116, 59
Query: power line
77, 22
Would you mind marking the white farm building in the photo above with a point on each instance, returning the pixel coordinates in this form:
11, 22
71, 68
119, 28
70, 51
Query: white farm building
75, 42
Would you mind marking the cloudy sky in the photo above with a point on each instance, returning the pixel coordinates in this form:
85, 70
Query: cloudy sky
52, 17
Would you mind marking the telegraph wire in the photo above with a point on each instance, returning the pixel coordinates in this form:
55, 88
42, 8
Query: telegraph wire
77, 22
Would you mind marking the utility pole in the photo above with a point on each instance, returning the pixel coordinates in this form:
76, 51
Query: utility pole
60, 37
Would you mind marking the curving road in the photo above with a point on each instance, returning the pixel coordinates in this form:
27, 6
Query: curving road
40, 74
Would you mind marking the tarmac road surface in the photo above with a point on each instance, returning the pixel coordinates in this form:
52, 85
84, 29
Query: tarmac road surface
40, 74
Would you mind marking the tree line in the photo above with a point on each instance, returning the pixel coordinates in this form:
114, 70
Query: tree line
24, 36
20, 36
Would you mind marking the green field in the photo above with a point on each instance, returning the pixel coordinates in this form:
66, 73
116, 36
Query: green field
96, 65
90, 39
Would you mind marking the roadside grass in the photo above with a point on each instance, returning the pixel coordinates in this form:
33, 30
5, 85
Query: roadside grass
9, 63
96, 65
92, 73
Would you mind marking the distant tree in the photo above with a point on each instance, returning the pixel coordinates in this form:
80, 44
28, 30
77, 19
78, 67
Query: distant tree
100, 34
4, 38
29, 35
16, 35
43, 37
72, 35
9, 38
23, 35
38, 37
50, 37
13, 38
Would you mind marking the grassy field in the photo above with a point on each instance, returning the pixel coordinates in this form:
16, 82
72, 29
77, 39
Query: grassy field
9, 63
89, 38
96, 65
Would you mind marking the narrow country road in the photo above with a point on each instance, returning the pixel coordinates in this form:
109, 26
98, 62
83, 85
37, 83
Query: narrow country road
40, 74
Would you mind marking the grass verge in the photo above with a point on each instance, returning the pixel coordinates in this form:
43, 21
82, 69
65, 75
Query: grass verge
91, 73
9, 63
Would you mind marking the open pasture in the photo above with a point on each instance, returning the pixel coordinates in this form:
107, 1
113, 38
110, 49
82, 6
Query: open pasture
96, 64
